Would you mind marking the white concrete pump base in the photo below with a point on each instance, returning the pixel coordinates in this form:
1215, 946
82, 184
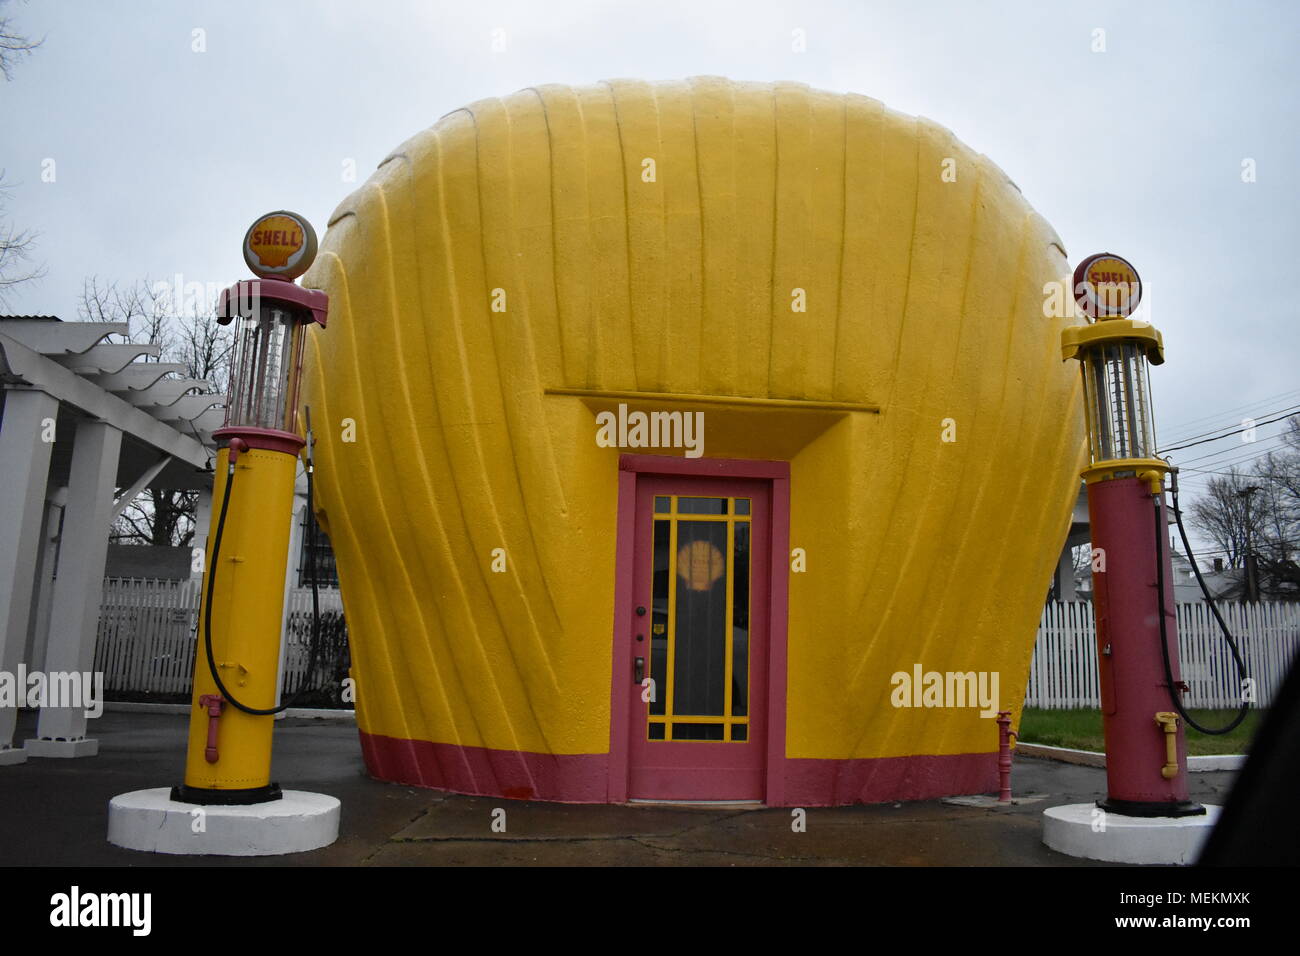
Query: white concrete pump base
150, 820
1076, 829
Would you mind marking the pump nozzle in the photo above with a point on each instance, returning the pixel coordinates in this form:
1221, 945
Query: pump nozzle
237, 447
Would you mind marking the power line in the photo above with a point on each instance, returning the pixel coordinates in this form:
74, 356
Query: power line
1271, 411
1200, 473
1267, 444
1281, 413
1207, 474
1263, 401
1236, 431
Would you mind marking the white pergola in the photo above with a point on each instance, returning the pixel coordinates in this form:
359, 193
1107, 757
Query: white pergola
85, 426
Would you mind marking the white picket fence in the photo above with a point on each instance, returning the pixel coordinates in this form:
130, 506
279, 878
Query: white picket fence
1064, 670
146, 640
146, 643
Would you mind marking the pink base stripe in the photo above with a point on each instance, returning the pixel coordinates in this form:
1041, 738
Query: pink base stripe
517, 775
584, 778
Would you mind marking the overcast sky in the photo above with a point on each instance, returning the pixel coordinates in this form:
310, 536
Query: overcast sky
163, 155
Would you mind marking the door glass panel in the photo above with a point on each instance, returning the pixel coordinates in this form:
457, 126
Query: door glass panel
702, 506
699, 626
700, 632
659, 619
740, 622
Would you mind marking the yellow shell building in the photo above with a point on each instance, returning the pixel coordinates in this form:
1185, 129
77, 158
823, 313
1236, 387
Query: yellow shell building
673, 437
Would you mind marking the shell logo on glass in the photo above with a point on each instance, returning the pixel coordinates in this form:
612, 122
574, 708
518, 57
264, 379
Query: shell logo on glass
700, 564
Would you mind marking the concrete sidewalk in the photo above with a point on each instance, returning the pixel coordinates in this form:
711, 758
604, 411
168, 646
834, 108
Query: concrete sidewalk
54, 813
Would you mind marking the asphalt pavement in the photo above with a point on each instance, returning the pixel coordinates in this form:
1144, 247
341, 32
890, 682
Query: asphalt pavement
53, 812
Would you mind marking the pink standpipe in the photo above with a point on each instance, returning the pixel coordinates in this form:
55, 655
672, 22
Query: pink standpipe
1005, 733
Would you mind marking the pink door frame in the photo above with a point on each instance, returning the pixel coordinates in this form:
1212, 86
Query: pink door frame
674, 769
776, 472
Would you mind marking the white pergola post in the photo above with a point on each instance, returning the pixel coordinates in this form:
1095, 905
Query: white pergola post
26, 432
79, 586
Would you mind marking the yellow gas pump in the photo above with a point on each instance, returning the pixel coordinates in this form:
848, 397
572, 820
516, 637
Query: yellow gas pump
237, 659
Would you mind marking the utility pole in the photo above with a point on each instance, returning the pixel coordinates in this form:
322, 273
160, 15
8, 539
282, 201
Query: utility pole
1252, 583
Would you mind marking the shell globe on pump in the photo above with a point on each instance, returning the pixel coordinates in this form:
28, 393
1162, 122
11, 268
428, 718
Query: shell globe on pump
271, 315
1114, 351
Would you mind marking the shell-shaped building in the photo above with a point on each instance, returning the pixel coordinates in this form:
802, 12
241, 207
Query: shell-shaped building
672, 437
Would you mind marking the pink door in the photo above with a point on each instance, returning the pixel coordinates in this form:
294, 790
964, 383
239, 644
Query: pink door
698, 639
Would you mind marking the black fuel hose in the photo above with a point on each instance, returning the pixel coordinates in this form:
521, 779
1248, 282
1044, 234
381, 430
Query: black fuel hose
315, 597
1164, 638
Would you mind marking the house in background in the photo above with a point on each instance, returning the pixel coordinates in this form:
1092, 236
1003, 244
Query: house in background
1070, 583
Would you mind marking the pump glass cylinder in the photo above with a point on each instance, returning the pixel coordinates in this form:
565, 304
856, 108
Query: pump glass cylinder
1119, 403
264, 379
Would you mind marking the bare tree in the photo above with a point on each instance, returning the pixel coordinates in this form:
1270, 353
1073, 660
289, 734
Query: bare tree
1081, 557
16, 247
204, 347
1220, 514
13, 46
155, 317
164, 518
195, 340
1257, 516
15, 244
145, 312
1280, 544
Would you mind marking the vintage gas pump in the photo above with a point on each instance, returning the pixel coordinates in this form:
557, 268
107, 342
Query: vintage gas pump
1146, 816
228, 804
237, 659
1137, 630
